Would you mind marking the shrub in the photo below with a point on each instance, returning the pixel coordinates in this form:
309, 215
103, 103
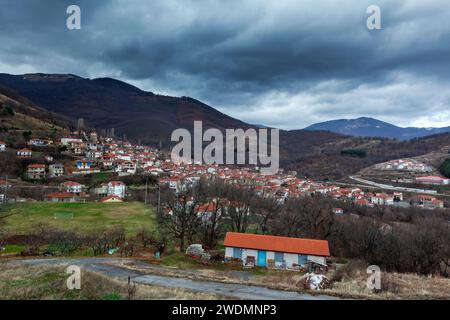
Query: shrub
354, 153
7, 110
445, 168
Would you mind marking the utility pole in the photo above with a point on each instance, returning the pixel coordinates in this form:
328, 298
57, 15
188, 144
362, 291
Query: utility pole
159, 197
146, 188
6, 190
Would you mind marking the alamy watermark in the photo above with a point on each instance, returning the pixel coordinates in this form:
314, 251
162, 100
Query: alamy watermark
241, 147
74, 280
73, 21
373, 22
374, 280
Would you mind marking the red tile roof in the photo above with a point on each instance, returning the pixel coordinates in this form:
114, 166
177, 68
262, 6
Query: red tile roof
111, 197
36, 166
117, 183
60, 195
71, 184
279, 244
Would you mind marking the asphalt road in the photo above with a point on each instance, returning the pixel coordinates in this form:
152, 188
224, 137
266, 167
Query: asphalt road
390, 187
237, 291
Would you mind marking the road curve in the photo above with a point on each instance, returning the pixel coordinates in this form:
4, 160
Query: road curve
391, 187
237, 291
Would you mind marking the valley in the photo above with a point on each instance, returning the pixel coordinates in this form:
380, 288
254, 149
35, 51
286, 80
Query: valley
106, 187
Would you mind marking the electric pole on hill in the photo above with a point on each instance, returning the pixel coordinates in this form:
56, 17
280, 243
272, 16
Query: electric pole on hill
146, 188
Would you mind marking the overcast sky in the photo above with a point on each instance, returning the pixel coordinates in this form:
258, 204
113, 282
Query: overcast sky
282, 63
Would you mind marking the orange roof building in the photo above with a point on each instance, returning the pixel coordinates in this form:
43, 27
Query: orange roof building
111, 199
267, 250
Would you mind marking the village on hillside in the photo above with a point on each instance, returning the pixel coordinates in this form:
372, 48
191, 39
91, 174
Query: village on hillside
92, 154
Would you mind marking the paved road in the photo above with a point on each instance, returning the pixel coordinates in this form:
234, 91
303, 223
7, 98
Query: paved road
226, 289
390, 187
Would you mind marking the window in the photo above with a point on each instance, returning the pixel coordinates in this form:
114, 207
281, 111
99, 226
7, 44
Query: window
237, 253
279, 256
302, 259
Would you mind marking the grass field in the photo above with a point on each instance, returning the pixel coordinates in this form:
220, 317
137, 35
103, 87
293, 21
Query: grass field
87, 217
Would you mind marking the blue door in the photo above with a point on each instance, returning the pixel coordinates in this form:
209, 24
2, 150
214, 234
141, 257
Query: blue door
261, 259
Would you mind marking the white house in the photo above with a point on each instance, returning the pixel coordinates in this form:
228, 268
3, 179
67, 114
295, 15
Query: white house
116, 188
24, 153
2, 146
382, 199
433, 180
72, 187
56, 170
68, 140
274, 251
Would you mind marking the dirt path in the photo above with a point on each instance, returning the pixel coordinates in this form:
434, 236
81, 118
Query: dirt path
106, 267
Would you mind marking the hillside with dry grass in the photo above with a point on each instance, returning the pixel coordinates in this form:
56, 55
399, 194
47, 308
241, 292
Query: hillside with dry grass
17, 114
49, 283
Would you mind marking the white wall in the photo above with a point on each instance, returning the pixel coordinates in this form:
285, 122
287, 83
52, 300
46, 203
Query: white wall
289, 258
228, 252
270, 255
317, 259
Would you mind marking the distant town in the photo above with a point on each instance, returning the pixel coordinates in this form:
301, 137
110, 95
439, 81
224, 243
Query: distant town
95, 154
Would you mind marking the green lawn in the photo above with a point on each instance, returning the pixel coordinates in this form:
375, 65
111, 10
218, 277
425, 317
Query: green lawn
87, 217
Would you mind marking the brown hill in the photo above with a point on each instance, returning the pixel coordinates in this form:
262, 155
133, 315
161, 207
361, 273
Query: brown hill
108, 103
337, 157
18, 114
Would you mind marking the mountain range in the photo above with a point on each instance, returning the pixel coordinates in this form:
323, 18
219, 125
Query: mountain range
369, 127
53, 102
107, 103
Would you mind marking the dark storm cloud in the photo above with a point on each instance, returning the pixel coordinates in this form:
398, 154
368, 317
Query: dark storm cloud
281, 63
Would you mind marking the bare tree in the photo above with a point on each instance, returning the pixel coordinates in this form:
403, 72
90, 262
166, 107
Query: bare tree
288, 221
181, 218
146, 238
100, 242
211, 215
266, 209
239, 208
213, 211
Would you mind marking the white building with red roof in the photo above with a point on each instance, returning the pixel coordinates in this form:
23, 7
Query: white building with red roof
24, 153
36, 171
433, 180
72, 187
116, 188
275, 251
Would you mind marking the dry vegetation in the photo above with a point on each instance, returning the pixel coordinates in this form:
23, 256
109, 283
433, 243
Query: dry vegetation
348, 282
49, 283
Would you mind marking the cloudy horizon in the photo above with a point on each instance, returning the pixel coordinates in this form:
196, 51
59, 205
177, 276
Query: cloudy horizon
282, 64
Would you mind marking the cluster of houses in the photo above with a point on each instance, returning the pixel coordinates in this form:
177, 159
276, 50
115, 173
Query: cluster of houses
404, 165
71, 191
107, 154
281, 186
95, 154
